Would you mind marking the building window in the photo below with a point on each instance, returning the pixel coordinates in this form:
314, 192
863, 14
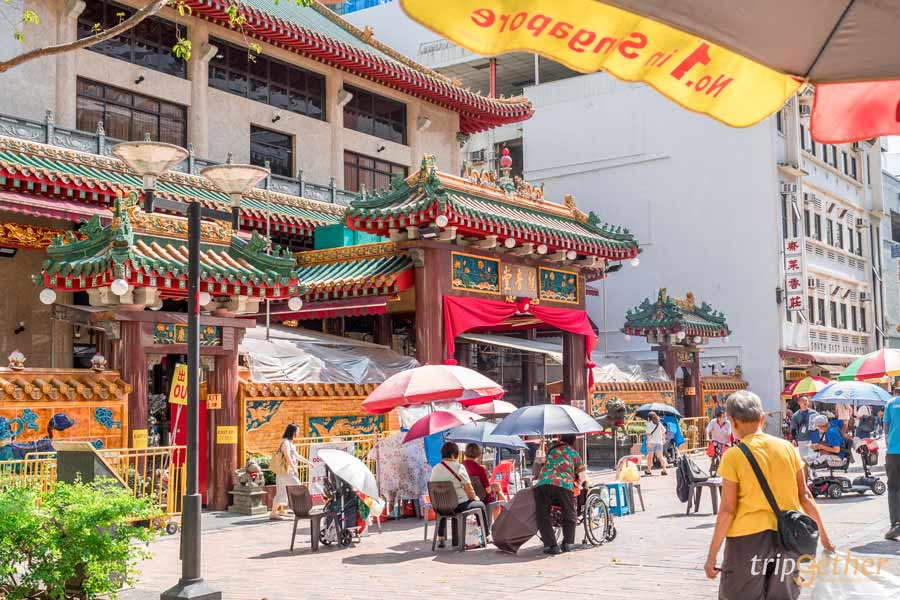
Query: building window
376, 115
238, 71
149, 44
862, 318
129, 116
839, 236
853, 323
845, 162
784, 217
853, 172
834, 157
779, 121
832, 307
274, 147
850, 241
820, 311
364, 171
859, 244
811, 305
829, 232
843, 316
806, 223
817, 226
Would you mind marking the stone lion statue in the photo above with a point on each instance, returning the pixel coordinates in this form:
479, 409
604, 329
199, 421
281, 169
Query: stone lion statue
251, 476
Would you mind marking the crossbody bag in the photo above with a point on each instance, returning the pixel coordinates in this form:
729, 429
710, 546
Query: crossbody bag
797, 531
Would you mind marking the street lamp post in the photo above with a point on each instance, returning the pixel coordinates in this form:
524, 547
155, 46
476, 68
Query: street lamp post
235, 180
149, 160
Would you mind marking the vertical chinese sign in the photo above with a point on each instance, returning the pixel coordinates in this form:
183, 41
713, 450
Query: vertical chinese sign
793, 274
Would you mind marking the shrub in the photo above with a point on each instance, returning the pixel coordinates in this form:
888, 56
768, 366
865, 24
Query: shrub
72, 539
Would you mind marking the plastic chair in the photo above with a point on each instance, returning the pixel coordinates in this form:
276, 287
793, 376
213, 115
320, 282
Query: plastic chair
482, 494
301, 504
444, 502
618, 498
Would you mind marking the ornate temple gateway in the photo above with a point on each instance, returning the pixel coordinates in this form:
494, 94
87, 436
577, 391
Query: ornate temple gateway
677, 329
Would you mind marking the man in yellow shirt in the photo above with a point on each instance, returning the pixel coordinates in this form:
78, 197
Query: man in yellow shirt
755, 566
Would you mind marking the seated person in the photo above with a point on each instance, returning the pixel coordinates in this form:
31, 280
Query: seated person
476, 470
451, 470
826, 444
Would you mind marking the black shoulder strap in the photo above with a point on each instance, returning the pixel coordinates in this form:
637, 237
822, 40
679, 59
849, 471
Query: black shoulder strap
761, 478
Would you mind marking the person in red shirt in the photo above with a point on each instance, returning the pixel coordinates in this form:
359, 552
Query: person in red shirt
477, 471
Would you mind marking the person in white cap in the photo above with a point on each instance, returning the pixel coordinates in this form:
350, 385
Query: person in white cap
827, 444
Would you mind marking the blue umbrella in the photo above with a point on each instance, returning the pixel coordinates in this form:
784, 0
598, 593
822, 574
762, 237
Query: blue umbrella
547, 419
852, 392
481, 433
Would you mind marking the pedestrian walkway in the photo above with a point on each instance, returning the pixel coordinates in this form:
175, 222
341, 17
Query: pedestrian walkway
657, 554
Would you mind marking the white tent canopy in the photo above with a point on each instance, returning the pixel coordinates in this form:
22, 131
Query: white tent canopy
303, 356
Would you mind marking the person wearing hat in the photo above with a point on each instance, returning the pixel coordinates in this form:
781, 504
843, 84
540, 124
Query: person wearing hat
826, 442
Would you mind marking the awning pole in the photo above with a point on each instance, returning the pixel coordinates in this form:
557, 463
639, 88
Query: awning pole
605, 329
269, 247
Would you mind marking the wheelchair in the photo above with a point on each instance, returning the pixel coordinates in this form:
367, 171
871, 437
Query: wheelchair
592, 513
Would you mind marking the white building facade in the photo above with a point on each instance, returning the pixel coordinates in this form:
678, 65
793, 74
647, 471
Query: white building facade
713, 207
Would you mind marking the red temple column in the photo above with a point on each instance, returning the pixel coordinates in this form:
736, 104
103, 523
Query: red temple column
430, 279
574, 370
129, 358
224, 457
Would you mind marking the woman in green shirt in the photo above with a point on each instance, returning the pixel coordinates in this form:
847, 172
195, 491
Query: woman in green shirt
556, 487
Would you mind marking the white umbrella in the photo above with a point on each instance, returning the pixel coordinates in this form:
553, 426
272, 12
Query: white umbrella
350, 469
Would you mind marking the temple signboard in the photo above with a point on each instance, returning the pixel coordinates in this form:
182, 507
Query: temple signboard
519, 281
558, 285
473, 273
176, 333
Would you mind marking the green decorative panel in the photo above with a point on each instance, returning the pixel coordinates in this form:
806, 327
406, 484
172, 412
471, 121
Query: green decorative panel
344, 425
475, 273
174, 333
558, 286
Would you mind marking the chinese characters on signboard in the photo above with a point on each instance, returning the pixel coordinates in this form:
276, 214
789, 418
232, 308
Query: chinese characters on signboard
793, 274
519, 281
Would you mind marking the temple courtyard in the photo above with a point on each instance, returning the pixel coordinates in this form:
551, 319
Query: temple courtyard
658, 554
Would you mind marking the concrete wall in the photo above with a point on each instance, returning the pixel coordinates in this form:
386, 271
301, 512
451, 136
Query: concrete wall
890, 266
700, 196
218, 122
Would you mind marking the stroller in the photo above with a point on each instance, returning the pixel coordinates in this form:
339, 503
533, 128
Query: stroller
342, 508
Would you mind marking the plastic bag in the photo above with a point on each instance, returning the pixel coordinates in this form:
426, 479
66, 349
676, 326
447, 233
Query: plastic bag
474, 533
851, 576
629, 473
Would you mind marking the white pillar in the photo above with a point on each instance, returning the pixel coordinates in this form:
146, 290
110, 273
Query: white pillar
198, 74
335, 115
66, 71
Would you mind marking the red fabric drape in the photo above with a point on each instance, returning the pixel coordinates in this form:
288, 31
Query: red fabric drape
463, 314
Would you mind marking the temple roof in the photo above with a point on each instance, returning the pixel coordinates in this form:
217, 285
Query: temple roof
667, 316
50, 385
150, 251
355, 271
318, 33
479, 204
59, 173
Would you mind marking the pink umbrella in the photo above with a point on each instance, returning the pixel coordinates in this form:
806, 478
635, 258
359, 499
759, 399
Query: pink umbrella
438, 421
494, 408
431, 383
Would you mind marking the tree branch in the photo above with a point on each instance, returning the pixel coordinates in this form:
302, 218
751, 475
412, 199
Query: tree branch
147, 11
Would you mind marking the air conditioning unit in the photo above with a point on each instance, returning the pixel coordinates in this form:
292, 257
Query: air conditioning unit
810, 282
863, 296
860, 223
809, 199
805, 110
856, 146
788, 188
477, 156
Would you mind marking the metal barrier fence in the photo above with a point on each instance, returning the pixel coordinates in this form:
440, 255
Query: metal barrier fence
153, 473
692, 428
362, 446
